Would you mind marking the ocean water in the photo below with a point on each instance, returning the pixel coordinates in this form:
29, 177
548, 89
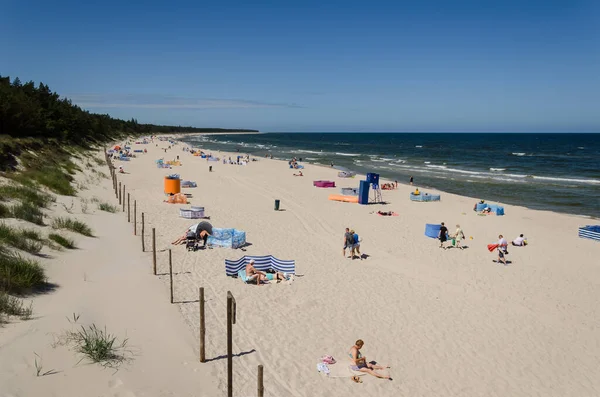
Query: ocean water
557, 172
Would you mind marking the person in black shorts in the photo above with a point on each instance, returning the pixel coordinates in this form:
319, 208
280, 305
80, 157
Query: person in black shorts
411, 180
442, 235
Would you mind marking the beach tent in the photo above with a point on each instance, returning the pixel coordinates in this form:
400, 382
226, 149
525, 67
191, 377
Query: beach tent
232, 267
228, 238
324, 183
424, 197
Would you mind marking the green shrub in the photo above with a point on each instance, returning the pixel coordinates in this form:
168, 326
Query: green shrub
16, 238
28, 213
62, 240
19, 275
107, 207
72, 225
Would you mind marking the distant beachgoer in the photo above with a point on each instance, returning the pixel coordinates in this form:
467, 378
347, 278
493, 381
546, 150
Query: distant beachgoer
502, 249
519, 241
442, 235
416, 193
332, 164
411, 180
355, 244
359, 363
396, 184
121, 171
182, 239
458, 236
348, 241
299, 174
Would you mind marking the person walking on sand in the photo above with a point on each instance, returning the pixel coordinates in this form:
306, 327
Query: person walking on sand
442, 235
359, 363
348, 242
458, 236
502, 249
355, 244
411, 180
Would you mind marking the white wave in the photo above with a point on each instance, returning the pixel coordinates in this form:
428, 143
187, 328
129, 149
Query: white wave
437, 166
378, 160
400, 161
310, 158
580, 147
427, 162
586, 181
518, 154
498, 169
311, 151
386, 159
348, 154
418, 146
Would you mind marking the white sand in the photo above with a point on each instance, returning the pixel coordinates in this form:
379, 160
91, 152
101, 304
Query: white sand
449, 322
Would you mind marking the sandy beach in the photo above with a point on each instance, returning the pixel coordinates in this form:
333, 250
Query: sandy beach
449, 322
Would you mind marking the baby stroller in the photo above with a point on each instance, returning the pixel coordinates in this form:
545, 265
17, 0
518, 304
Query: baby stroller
191, 241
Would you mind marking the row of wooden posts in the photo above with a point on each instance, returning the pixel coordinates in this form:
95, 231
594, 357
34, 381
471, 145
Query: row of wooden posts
231, 303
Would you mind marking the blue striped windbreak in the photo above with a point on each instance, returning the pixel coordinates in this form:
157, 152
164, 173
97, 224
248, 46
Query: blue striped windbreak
590, 231
232, 267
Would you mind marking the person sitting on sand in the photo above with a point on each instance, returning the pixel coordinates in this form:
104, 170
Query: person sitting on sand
385, 213
299, 174
259, 276
416, 193
359, 363
121, 170
520, 241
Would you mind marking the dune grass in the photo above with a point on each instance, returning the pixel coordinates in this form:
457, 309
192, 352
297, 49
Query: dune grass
27, 195
28, 212
19, 275
13, 306
107, 207
72, 225
20, 238
62, 240
99, 346
4, 211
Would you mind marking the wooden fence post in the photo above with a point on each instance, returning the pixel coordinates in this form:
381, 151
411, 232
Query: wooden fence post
119, 195
135, 217
230, 321
123, 198
154, 250
143, 242
202, 325
171, 274
261, 388
128, 210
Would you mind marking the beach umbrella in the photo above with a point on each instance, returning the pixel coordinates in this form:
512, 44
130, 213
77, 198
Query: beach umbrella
204, 226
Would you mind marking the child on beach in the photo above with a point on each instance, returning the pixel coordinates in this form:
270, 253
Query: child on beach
355, 244
348, 242
458, 236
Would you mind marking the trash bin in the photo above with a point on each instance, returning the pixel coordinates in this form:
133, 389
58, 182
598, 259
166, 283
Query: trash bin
276, 205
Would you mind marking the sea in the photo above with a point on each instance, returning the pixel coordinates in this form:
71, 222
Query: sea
555, 172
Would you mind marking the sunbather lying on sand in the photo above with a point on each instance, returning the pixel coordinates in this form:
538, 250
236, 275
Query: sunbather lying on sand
359, 363
258, 276
385, 213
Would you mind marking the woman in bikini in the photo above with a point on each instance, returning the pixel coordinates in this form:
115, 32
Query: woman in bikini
359, 363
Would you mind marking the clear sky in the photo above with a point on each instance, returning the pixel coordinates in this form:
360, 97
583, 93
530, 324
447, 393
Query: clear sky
423, 65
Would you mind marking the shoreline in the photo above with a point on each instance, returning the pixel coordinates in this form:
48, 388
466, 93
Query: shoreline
323, 166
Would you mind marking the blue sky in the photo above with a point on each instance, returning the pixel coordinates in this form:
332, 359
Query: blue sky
317, 66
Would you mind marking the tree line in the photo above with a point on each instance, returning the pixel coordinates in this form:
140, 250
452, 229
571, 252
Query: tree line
30, 111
